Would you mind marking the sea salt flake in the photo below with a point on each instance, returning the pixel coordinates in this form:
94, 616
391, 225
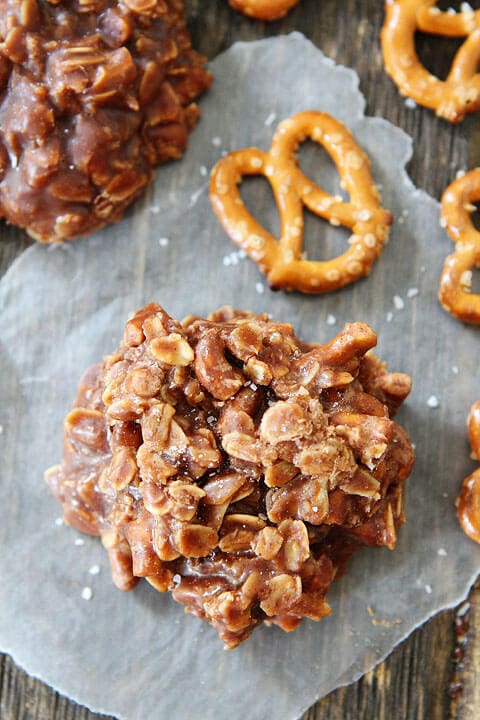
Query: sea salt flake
442, 552
270, 119
433, 402
412, 292
216, 141
389, 316
428, 589
155, 209
87, 593
410, 103
94, 570
398, 302
79, 542
163, 241
455, 369
58, 521
260, 288
331, 320
203, 171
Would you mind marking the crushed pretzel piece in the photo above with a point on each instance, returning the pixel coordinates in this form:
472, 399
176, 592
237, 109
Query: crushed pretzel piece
243, 498
283, 260
455, 293
459, 94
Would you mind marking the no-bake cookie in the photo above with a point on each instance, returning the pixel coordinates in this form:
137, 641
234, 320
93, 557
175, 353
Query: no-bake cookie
93, 95
228, 461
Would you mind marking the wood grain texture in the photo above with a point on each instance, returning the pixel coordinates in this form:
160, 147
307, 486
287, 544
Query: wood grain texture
414, 681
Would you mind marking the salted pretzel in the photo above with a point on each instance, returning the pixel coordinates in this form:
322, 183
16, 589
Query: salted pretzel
263, 9
459, 94
455, 283
283, 260
468, 502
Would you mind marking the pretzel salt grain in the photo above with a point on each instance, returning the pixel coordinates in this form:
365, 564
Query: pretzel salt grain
284, 260
263, 9
459, 94
468, 502
455, 283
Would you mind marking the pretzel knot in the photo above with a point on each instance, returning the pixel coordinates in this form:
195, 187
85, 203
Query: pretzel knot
459, 94
468, 502
283, 260
263, 9
455, 284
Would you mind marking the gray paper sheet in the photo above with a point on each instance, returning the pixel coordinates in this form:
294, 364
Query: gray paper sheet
137, 655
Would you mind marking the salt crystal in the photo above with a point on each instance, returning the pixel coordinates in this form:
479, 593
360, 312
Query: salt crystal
389, 316
154, 209
428, 589
412, 292
216, 141
269, 119
410, 104
398, 302
58, 521
203, 171
260, 288
79, 542
87, 593
163, 241
94, 570
455, 369
442, 552
331, 320
433, 402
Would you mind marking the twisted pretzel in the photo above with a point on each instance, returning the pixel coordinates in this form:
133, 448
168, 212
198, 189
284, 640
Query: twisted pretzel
283, 260
459, 94
457, 205
263, 9
468, 502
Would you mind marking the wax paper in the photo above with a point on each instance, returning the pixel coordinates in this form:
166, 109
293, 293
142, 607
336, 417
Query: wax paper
137, 655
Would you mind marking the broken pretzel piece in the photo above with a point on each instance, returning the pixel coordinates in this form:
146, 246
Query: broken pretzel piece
459, 94
263, 9
284, 260
455, 284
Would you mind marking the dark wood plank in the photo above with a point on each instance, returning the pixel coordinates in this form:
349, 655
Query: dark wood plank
414, 682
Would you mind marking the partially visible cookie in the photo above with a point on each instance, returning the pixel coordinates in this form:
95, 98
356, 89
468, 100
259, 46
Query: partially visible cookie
94, 94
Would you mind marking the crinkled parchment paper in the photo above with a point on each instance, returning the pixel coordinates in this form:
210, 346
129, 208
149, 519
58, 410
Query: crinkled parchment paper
137, 655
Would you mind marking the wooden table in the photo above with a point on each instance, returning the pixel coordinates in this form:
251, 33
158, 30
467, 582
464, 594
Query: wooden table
431, 676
